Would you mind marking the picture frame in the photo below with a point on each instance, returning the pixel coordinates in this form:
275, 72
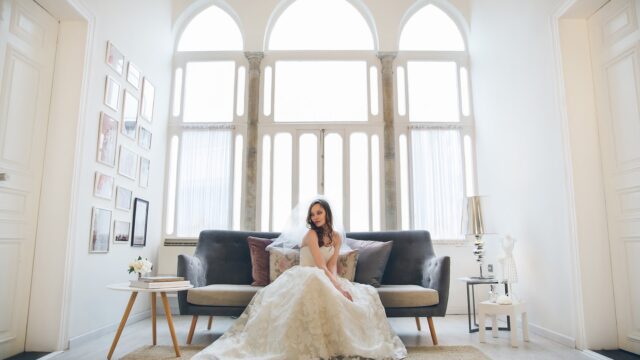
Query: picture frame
128, 163
112, 93
129, 115
107, 140
148, 96
144, 138
145, 164
100, 236
133, 75
114, 58
123, 198
139, 227
103, 186
121, 232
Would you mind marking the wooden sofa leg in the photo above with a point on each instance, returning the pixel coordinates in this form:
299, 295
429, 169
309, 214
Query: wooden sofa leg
210, 322
418, 323
194, 321
432, 330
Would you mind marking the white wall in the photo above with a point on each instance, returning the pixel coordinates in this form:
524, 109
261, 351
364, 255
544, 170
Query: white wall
142, 32
521, 152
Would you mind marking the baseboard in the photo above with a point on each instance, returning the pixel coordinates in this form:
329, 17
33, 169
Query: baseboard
50, 355
594, 355
84, 338
546, 333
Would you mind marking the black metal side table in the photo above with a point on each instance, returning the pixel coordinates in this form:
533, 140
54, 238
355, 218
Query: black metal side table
471, 301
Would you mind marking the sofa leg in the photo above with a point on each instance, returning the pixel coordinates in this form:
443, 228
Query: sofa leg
418, 323
210, 322
194, 321
432, 330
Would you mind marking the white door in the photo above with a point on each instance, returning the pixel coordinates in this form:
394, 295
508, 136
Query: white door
615, 47
27, 53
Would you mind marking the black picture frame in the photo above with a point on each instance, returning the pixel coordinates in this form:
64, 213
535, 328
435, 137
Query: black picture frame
139, 222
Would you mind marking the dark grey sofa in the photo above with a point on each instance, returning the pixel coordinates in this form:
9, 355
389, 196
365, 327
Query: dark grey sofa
221, 269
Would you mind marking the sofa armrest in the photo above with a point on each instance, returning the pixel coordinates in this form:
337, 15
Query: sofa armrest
192, 269
436, 276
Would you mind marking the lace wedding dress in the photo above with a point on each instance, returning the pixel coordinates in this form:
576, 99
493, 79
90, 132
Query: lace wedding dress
301, 315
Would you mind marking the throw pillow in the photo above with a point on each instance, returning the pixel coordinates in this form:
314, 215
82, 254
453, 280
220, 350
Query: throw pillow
281, 260
372, 260
259, 260
347, 265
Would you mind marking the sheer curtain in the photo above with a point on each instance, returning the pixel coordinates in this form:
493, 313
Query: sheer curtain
204, 183
437, 182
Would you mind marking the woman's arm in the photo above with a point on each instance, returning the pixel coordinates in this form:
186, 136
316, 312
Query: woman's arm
311, 239
332, 264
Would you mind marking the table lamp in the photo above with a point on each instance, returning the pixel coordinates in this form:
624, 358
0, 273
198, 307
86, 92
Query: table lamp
475, 227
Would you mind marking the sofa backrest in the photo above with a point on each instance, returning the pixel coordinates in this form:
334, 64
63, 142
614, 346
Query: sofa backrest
225, 254
409, 254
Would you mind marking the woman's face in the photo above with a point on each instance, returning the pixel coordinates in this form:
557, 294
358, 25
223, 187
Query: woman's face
318, 215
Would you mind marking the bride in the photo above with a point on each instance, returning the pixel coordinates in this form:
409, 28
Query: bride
309, 312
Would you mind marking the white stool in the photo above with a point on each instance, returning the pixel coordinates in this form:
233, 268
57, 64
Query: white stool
492, 309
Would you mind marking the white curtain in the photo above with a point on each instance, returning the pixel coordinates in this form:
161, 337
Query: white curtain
204, 181
437, 182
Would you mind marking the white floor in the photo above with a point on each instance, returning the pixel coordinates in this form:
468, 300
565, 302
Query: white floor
451, 330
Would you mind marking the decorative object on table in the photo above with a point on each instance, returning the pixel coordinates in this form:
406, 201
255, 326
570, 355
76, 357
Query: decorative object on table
133, 75
159, 282
140, 266
144, 172
112, 93
508, 264
148, 95
129, 115
140, 215
103, 186
128, 163
100, 231
144, 138
121, 232
123, 198
475, 227
107, 136
114, 58
493, 293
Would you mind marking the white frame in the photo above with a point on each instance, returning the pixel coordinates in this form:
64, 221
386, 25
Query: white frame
97, 216
148, 100
107, 140
124, 197
145, 137
98, 186
125, 119
112, 101
118, 227
127, 163
133, 75
143, 179
117, 64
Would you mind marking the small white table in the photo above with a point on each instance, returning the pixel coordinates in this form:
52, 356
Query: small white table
132, 299
493, 309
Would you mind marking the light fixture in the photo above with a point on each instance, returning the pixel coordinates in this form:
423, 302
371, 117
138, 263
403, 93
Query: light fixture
475, 227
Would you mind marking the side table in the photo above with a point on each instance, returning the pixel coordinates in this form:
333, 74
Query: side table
132, 299
514, 309
471, 300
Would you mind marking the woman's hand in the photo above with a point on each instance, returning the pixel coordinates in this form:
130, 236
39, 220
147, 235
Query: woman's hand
346, 294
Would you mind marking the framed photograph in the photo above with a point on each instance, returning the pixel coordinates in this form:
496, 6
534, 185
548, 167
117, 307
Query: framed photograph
144, 138
121, 232
129, 115
112, 93
144, 172
148, 94
114, 58
107, 136
100, 231
128, 163
103, 186
133, 75
140, 215
123, 198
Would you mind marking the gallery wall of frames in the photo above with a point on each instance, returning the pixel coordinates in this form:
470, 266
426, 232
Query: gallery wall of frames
124, 144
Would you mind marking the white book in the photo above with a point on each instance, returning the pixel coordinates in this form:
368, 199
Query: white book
158, 285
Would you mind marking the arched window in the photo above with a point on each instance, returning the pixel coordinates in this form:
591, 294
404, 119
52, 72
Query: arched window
311, 101
434, 113
205, 158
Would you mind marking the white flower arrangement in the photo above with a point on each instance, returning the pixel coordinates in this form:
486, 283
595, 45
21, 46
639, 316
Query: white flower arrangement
140, 266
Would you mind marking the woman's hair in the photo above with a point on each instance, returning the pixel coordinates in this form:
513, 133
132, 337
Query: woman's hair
328, 221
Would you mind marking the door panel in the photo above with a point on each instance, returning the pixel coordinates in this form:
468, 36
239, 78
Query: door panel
615, 52
27, 53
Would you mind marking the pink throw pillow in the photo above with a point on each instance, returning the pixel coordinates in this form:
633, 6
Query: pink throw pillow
259, 260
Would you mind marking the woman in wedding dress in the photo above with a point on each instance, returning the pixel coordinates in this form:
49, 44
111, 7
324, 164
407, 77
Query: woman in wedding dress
309, 312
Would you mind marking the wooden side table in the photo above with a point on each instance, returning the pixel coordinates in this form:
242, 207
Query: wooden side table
493, 309
132, 299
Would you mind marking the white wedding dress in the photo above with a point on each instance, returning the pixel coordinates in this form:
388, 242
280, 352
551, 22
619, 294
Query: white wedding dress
301, 315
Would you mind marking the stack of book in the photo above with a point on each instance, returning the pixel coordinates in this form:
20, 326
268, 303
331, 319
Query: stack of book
159, 282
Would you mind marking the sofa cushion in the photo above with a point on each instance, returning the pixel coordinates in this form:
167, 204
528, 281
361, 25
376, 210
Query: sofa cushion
281, 260
222, 295
401, 296
259, 260
372, 260
347, 264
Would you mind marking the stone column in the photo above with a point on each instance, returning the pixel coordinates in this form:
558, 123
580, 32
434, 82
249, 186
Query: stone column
388, 112
249, 222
